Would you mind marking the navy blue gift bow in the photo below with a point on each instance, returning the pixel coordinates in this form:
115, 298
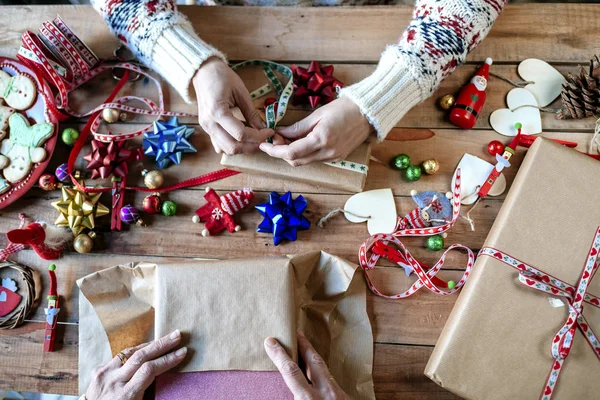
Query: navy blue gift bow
283, 216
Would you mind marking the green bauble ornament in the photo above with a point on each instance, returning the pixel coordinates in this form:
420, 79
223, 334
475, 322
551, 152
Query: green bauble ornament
169, 208
69, 136
401, 161
435, 243
413, 173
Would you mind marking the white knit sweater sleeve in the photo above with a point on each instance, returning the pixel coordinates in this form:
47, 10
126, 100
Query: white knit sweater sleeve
161, 37
438, 39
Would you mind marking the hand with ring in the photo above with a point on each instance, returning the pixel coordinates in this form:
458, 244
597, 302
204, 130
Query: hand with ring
320, 383
132, 371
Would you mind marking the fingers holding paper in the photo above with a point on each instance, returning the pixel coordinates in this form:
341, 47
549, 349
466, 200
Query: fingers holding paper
133, 370
322, 384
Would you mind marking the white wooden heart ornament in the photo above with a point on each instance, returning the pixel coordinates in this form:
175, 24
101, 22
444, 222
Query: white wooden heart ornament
547, 80
377, 207
503, 120
474, 172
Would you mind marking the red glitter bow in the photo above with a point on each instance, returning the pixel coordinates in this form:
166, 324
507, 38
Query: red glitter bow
110, 159
314, 85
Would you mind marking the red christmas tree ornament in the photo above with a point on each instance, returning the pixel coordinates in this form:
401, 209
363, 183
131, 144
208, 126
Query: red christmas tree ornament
217, 213
495, 147
315, 85
47, 241
471, 99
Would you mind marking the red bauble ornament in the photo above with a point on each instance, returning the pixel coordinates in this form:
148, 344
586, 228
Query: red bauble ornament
47, 182
152, 204
495, 147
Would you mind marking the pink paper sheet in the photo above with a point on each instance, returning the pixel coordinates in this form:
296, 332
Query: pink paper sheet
222, 385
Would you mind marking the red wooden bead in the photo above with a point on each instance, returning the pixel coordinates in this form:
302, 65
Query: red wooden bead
495, 147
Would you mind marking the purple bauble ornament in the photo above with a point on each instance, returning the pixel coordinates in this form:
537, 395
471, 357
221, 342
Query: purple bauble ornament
130, 215
62, 173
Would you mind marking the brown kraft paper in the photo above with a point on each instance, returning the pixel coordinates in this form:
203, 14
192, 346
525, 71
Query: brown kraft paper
318, 174
497, 341
225, 310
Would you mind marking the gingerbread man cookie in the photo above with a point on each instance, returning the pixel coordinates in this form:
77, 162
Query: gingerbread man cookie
22, 149
18, 91
5, 113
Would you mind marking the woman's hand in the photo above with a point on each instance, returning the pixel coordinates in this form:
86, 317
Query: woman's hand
322, 385
330, 133
144, 362
219, 90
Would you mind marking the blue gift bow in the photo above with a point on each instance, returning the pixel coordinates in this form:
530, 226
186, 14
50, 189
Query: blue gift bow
283, 216
168, 142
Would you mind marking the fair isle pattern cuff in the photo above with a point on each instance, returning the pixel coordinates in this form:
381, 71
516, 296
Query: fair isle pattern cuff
387, 94
177, 55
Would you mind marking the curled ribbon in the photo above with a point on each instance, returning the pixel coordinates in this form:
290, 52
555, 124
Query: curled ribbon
575, 296
426, 278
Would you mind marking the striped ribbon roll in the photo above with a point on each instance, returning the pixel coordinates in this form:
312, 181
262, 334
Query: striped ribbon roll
575, 296
368, 259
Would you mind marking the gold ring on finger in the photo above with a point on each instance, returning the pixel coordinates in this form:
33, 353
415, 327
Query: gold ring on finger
123, 358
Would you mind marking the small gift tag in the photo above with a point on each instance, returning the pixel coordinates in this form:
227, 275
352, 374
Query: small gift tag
377, 207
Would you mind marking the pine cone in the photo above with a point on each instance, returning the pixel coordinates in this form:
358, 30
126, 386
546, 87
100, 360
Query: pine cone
581, 94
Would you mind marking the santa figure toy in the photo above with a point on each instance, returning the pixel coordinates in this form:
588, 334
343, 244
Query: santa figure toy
470, 101
217, 213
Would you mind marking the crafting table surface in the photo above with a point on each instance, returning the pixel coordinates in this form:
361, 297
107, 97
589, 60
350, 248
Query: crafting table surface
405, 331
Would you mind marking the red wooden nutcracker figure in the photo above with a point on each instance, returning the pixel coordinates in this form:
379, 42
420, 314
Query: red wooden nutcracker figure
470, 101
51, 312
217, 213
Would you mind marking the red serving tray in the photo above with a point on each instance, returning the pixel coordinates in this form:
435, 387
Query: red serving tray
38, 112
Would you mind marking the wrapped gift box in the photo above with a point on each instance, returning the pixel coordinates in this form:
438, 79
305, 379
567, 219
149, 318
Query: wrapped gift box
225, 310
497, 343
351, 176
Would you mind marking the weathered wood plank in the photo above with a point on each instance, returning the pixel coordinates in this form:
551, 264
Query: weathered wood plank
446, 145
337, 33
397, 370
170, 236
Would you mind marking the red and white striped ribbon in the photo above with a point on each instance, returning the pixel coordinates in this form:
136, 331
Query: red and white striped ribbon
575, 296
368, 259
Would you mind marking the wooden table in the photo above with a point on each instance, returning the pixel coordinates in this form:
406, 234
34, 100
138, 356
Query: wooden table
405, 331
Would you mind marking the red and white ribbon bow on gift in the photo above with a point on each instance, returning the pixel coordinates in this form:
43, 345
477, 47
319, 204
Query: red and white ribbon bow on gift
368, 258
575, 296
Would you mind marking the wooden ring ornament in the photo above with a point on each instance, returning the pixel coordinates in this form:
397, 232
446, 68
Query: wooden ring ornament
30, 295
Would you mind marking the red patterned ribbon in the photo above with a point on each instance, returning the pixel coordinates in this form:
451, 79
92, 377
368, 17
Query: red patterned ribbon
575, 296
368, 259
13, 247
58, 45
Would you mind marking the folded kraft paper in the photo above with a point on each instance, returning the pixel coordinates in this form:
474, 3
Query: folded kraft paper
225, 310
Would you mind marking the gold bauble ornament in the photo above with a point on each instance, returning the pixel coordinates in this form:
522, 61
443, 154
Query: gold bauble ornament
110, 115
124, 117
153, 179
83, 243
431, 166
447, 101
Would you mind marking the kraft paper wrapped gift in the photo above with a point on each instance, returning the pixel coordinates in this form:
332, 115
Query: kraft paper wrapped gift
497, 343
225, 310
342, 177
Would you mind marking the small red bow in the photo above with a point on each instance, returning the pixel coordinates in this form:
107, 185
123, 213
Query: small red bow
110, 159
314, 85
